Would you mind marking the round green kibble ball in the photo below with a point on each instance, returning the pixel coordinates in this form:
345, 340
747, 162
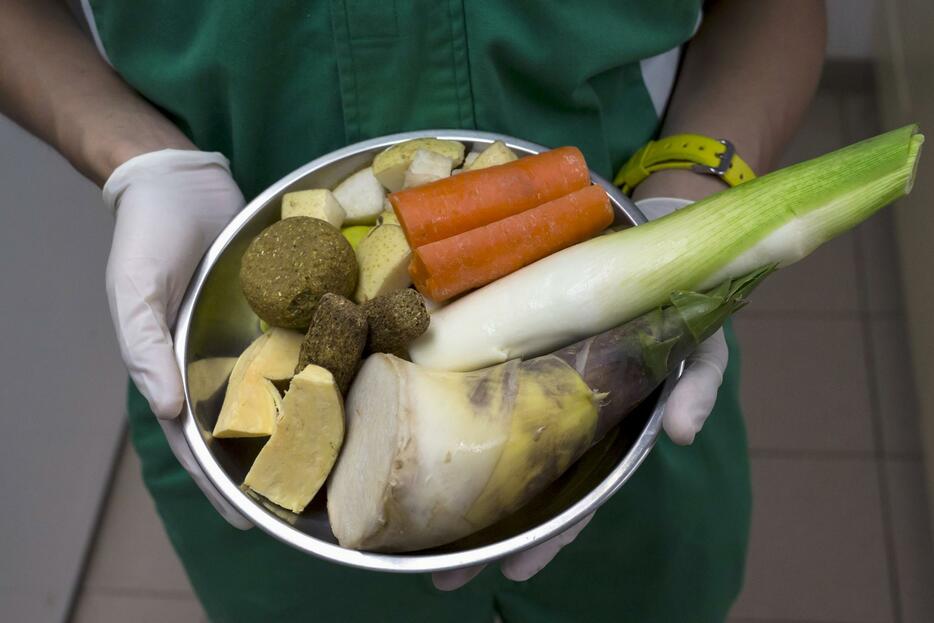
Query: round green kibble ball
291, 264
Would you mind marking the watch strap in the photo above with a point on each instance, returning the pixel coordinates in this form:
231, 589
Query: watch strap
685, 151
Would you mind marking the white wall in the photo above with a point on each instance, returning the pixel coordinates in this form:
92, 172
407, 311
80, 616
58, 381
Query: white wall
61, 379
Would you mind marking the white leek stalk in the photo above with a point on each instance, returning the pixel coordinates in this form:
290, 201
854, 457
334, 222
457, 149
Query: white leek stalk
599, 284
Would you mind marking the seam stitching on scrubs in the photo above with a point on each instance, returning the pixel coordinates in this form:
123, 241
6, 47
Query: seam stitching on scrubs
458, 54
455, 71
470, 93
395, 18
346, 81
353, 75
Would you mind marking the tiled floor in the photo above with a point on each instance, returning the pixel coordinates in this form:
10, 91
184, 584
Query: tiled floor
840, 523
840, 526
133, 573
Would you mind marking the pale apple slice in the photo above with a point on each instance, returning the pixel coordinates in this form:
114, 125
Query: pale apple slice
388, 215
390, 166
355, 233
361, 196
470, 158
497, 153
318, 203
383, 257
304, 445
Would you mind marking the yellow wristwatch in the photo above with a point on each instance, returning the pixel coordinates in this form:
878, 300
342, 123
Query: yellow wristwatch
684, 151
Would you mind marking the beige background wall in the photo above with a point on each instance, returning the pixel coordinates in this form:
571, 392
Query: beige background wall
906, 79
61, 380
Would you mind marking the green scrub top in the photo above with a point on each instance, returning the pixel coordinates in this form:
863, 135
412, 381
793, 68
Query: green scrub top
275, 84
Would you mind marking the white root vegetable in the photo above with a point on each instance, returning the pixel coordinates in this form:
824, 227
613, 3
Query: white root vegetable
431, 305
361, 196
432, 456
601, 283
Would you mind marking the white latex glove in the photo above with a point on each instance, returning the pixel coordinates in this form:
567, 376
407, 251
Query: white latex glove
170, 205
688, 406
518, 567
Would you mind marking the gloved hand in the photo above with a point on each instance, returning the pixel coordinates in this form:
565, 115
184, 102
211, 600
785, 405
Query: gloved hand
688, 406
170, 205
518, 567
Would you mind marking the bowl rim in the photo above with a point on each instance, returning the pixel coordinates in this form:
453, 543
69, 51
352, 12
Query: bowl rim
413, 562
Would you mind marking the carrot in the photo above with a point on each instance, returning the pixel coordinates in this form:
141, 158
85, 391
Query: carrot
445, 268
456, 204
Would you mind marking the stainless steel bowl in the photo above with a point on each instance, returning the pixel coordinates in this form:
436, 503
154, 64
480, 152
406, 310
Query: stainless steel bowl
215, 323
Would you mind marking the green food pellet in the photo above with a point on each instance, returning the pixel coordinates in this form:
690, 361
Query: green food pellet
395, 320
335, 339
290, 264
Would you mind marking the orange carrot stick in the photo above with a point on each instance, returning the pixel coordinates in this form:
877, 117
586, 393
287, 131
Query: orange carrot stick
471, 199
445, 268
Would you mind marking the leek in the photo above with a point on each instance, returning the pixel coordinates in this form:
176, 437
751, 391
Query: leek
599, 284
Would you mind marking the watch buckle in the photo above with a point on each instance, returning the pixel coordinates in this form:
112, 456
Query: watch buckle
726, 160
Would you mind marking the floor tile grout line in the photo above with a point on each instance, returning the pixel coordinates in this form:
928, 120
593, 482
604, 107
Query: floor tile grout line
818, 314
818, 455
801, 314
875, 415
775, 452
914, 459
90, 548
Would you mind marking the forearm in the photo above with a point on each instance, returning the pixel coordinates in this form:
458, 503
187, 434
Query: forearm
748, 76
55, 84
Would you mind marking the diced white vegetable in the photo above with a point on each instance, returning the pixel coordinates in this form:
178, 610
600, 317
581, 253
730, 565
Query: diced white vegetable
390, 166
427, 166
361, 195
319, 203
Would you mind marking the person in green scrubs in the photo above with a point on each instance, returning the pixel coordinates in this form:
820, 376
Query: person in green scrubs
247, 92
